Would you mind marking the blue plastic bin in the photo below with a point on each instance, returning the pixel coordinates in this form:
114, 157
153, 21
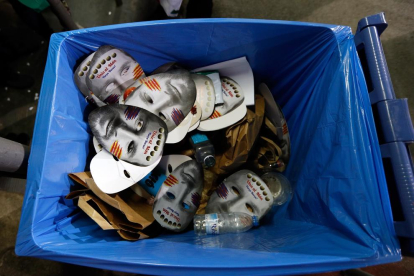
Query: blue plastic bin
340, 215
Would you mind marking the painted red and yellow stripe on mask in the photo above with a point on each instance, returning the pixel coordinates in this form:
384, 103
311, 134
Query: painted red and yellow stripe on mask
138, 72
215, 114
285, 129
152, 84
116, 150
171, 180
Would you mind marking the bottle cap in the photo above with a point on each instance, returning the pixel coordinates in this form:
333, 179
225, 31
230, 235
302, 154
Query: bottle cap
209, 161
255, 221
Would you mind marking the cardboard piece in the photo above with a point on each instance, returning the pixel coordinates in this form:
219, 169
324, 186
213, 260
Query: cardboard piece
239, 70
240, 138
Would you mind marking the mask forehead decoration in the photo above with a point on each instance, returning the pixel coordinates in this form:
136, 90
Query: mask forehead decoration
232, 96
205, 95
112, 72
179, 196
244, 192
129, 133
81, 74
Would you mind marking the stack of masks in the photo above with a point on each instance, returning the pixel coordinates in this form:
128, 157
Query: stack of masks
137, 115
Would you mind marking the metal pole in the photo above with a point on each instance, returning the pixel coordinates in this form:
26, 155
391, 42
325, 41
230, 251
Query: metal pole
64, 17
13, 155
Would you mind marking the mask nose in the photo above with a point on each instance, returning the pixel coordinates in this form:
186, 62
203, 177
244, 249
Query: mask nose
125, 134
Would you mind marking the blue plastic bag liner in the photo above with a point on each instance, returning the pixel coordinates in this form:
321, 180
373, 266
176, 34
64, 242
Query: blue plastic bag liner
339, 216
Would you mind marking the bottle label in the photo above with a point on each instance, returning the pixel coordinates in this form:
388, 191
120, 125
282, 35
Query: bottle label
198, 138
212, 227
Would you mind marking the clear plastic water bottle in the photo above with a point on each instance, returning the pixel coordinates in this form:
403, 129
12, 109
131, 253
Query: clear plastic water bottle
279, 185
215, 224
204, 150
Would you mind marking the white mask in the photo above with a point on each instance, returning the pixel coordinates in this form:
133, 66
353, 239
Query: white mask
169, 95
179, 197
205, 94
112, 175
232, 96
232, 111
80, 76
130, 133
243, 192
111, 72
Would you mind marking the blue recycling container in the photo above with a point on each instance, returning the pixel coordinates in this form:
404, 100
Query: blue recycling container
340, 215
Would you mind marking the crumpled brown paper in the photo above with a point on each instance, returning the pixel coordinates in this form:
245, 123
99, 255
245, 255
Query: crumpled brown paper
126, 212
240, 138
210, 179
268, 153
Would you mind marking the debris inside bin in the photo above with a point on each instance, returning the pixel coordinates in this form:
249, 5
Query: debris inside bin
146, 178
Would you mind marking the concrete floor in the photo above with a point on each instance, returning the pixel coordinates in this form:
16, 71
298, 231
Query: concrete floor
18, 107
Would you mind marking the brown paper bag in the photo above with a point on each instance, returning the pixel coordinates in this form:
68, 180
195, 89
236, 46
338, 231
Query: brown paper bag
210, 179
240, 138
268, 153
126, 212
109, 218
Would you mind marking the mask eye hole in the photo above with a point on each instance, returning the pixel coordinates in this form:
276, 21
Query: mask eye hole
186, 206
110, 87
170, 195
139, 125
148, 98
235, 190
162, 116
125, 71
131, 147
116, 159
249, 207
170, 168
